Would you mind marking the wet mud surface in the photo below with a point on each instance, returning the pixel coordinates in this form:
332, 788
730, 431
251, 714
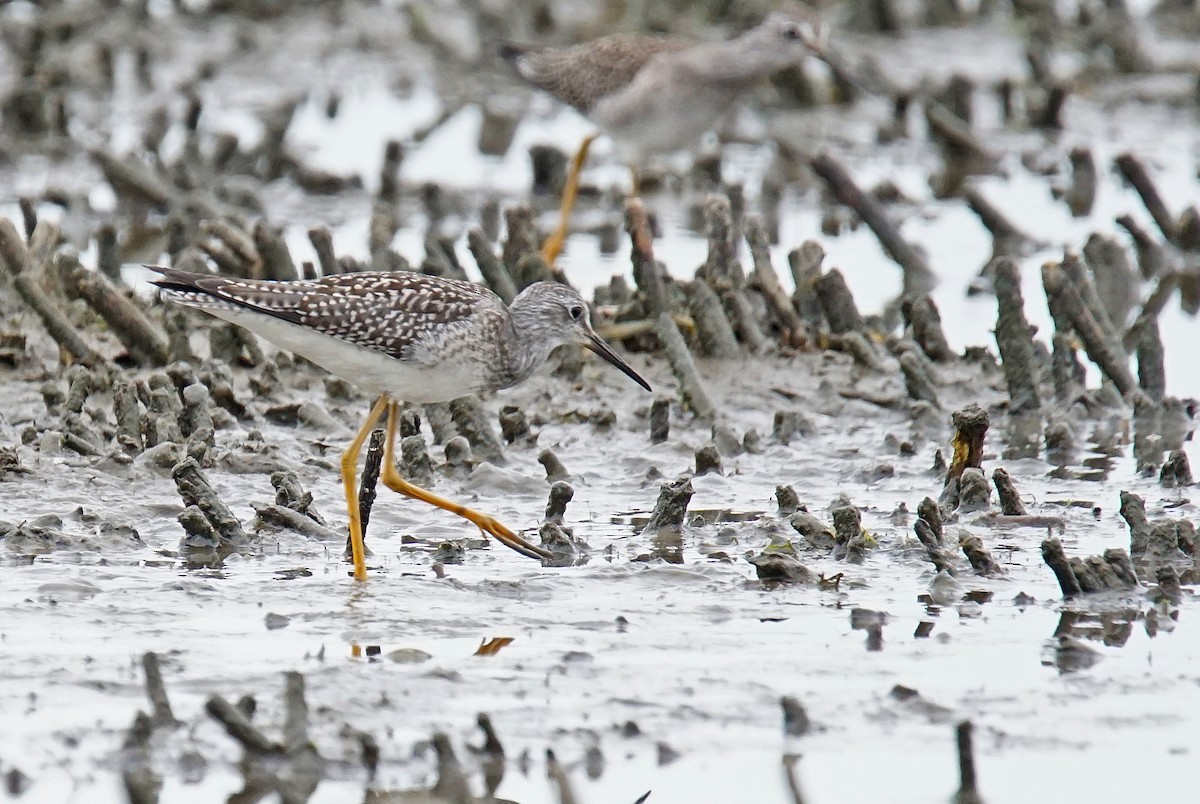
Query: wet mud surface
652, 656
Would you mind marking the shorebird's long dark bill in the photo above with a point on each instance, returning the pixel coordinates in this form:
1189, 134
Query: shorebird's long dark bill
597, 345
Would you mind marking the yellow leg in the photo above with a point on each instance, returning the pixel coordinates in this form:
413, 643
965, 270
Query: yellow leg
391, 478
637, 182
349, 466
554, 244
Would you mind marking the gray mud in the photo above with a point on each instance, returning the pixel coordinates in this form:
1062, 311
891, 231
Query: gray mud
657, 660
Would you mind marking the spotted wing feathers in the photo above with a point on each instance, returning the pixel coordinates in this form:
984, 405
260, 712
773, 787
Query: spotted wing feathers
582, 75
386, 312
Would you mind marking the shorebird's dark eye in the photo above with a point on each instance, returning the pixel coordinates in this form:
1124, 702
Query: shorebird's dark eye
791, 32
576, 312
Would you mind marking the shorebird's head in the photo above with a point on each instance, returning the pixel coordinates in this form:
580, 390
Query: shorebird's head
795, 36
551, 314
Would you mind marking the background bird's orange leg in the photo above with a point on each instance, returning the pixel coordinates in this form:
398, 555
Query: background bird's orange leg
349, 466
392, 479
554, 244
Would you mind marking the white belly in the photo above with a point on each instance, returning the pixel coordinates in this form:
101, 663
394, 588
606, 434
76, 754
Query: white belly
369, 370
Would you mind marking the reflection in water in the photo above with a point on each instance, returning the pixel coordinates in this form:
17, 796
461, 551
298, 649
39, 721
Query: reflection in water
667, 544
1068, 645
196, 557
1022, 436
872, 622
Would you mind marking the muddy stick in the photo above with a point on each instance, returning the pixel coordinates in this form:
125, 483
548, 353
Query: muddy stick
743, 319
452, 785
389, 174
1138, 177
531, 267
291, 494
295, 724
713, 329
660, 420
491, 755
922, 316
239, 727
369, 481
1061, 295
145, 340
767, 278
691, 388
513, 424
156, 692
440, 259
720, 266
1014, 337
108, 257
29, 216
837, 303
1056, 560
968, 785
1168, 282
415, 463
789, 769
130, 179
276, 259
670, 509
231, 247
42, 243
556, 774
1010, 500
555, 470
795, 719
1007, 239
981, 560
12, 247
1114, 277
1176, 470
198, 531
645, 268
1039, 521
917, 381
281, 516
1151, 255
142, 784
1075, 269
933, 548
1065, 369
805, 265
1081, 194
556, 506
918, 277
928, 510
195, 490
129, 418
522, 239
1152, 376
495, 275
970, 428
55, 321
322, 243
1133, 511
473, 422
954, 132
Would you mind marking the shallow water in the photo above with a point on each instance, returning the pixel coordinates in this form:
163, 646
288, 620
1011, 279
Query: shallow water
705, 650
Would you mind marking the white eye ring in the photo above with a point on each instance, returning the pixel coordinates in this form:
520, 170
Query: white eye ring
576, 312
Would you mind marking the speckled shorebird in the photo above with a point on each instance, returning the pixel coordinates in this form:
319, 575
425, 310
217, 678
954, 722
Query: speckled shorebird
403, 337
655, 94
